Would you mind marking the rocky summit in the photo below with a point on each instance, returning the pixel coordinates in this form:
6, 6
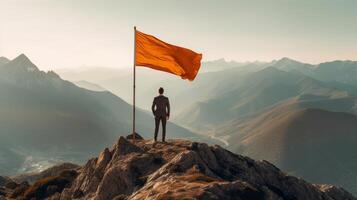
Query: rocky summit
178, 169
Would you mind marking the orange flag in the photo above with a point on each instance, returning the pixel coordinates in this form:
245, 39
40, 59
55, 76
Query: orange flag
156, 54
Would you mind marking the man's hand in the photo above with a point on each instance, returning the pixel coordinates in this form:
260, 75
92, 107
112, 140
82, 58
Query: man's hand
167, 117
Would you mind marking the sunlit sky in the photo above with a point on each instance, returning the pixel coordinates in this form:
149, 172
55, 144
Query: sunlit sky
75, 33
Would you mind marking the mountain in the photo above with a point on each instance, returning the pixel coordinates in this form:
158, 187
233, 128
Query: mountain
251, 93
179, 169
290, 65
343, 72
45, 120
89, 86
306, 142
3, 60
337, 71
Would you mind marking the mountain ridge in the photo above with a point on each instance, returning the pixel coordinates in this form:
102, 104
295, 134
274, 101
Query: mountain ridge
307, 142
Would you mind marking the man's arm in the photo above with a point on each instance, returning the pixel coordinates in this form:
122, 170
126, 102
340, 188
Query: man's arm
153, 107
168, 108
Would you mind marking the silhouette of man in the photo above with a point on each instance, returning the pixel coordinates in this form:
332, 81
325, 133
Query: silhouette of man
161, 110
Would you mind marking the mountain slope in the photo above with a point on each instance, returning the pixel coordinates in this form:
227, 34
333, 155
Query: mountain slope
45, 119
179, 169
307, 142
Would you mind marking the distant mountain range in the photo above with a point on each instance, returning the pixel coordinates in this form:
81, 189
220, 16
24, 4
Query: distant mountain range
285, 111
44, 119
251, 93
342, 76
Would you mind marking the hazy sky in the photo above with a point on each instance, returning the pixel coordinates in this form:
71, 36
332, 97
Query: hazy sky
73, 33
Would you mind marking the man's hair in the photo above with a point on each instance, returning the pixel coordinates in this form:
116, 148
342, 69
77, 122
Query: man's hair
161, 90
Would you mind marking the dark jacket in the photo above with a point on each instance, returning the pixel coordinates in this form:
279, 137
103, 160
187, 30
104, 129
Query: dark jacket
159, 106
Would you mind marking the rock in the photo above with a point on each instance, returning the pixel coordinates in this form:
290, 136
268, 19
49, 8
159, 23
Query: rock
4, 180
334, 192
120, 197
52, 189
104, 158
137, 137
52, 171
231, 190
179, 169
182, 169
77, 194
44, 188
55, 196
20, 189
3, 191
11, 185
124, 147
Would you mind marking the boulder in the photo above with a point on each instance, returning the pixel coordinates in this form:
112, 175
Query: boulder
137, 136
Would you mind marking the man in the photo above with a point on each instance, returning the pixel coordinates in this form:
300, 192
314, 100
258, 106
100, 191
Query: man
161, 110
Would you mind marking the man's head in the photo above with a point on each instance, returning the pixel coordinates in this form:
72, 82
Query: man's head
161, 90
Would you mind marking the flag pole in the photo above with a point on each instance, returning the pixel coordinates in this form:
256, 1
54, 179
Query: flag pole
134, 73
